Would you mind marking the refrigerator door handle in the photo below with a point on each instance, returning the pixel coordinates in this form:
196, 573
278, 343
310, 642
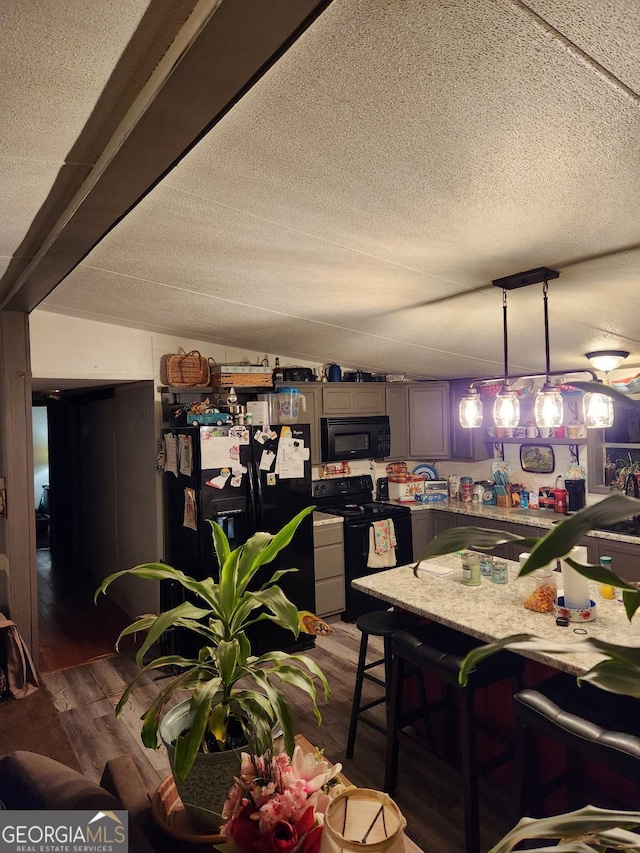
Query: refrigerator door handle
251, 503
259, 502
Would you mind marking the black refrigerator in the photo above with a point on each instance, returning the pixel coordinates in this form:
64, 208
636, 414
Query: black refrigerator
247, 479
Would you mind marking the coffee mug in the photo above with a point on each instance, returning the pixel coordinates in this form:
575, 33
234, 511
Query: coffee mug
521, 432
492, 432
545, 432
573, 431
532, 432
509, 432
559, 432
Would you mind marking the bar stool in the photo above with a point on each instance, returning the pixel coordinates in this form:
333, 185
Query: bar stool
590, 723
380, 623
440, 651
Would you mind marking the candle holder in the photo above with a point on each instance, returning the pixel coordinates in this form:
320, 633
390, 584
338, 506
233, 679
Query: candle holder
584, 614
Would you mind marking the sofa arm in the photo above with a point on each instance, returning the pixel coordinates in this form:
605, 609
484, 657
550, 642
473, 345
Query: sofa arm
31, 781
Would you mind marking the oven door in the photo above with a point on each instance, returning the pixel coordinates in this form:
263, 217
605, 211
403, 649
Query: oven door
356, 555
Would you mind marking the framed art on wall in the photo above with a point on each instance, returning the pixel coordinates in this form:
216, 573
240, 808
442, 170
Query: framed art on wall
537, 458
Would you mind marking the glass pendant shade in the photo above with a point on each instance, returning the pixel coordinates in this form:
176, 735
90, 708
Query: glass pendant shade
549, 410
598, 411
470, 410
506, 409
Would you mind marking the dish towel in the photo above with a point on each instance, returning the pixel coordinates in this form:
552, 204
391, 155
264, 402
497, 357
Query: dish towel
382, 544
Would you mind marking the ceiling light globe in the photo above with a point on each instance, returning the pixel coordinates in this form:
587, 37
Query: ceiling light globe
549, 409
506, 409
470, 410
607, 360
598, 411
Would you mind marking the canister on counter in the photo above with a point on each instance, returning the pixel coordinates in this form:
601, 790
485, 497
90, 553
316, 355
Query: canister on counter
471, 569
499, 572
466, 489
486, 564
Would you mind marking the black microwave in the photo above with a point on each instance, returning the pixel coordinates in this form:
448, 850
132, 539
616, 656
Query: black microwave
342, 439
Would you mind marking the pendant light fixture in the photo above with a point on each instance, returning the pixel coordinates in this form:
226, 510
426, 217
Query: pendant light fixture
506, 406
549, 409
470, 409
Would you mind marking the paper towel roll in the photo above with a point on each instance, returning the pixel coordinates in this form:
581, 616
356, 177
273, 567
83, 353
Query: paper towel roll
575, 585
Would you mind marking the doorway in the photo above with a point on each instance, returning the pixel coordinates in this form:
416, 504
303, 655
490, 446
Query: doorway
83, 434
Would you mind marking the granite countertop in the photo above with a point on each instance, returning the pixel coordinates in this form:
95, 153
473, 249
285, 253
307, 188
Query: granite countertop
322, 518
533, 518
492, 611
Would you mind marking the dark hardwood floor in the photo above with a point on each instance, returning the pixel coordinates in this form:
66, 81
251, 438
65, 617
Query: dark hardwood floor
73, 630
428, 792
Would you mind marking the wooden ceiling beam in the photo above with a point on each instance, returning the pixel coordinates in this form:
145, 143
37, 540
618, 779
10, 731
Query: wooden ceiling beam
219, 54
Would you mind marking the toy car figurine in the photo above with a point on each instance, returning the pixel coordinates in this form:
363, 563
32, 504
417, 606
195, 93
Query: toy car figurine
210, 416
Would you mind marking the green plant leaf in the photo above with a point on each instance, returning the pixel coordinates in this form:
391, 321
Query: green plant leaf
228, 586
296, 677
285, 613
220, 542
608, 391
187, 746
561, 539
280, 707
284, 536
150, 720
459, 538
616, 676
158, 663
159, 572
166, 620
603, 825
305, 660
227, 660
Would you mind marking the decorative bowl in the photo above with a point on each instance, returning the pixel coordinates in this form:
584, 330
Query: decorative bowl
587, 614
488, 392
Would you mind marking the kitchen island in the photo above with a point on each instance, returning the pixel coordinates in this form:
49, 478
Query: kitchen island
493, 611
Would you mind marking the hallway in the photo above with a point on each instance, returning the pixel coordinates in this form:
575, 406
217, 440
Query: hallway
73, 630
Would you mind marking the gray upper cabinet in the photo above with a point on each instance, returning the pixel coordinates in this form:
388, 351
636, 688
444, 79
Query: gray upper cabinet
344, 398
397, 400
467, 445
429, 421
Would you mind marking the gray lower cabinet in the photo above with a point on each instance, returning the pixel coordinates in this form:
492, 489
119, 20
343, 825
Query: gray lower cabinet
353, 398
397, 405
426, 524
625, 557
328, 555
429, 421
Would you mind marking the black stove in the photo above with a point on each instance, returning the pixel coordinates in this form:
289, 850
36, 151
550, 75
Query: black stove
351, 498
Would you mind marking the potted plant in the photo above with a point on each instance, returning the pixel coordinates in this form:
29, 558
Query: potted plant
235, 698
588, 828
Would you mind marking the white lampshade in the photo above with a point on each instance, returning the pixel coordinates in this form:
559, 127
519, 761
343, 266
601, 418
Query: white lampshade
470, 410
607, 359
549, 409
598, 411
506, 409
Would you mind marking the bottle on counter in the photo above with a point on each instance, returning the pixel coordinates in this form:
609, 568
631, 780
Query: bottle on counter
606, 590
277, 371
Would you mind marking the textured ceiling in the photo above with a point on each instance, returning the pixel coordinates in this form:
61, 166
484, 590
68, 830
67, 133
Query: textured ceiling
356, 203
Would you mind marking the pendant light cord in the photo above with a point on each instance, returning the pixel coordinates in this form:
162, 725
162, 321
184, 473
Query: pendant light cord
545, 291
504, 335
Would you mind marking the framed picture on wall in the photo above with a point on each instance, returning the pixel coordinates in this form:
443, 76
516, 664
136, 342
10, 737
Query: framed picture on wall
537, 458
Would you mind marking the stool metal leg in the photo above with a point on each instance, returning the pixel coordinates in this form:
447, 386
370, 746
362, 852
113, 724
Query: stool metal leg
387, 673
469, 774
393, 726
357, 695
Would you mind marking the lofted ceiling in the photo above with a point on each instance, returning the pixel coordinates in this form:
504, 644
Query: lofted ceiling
335, 181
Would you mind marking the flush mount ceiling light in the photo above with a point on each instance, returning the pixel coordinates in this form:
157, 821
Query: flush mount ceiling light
607, 359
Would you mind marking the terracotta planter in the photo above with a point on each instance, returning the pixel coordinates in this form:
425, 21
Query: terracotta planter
205, 789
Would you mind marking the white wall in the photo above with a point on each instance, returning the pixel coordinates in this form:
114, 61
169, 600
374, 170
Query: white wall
65, 347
